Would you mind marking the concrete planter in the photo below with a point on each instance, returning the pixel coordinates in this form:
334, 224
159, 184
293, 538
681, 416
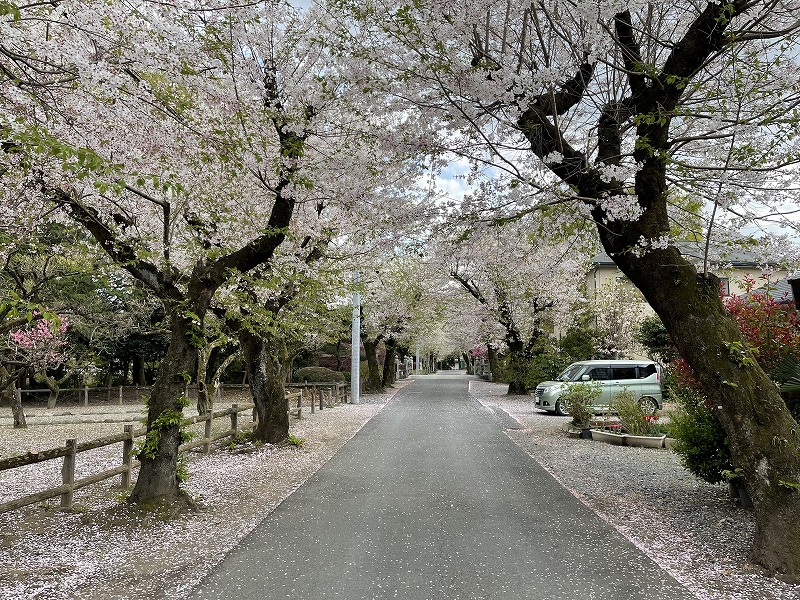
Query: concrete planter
616, 439
645, 441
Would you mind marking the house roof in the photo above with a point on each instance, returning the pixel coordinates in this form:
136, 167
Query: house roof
780, 291
694, 251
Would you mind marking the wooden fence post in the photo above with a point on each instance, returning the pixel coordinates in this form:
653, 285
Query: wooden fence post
207, 433
20, 421
127, 452
86, 395
235, 419
68, 472
313, 397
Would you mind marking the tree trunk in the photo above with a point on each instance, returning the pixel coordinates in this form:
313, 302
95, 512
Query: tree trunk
137, 371
158, 480
267, 364
52, 385
205, 403
389, 367
494, 362
339, 355
468, 363
373, 379
764, 438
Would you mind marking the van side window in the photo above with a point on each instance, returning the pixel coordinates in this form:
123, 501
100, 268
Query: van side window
646, 371
600, 374
624, 372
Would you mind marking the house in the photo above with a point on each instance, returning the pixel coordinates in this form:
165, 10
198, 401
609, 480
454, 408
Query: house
731, 266
619, 307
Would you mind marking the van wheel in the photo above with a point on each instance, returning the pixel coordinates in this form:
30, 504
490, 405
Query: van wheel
648, 404
562, 408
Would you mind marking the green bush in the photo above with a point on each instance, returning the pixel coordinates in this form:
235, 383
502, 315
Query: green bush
580, 342
545, 367
317, 375
634, 419
701, 441
653, 336
578, 401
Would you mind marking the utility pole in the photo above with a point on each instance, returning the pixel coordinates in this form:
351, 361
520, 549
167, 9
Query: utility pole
355, 352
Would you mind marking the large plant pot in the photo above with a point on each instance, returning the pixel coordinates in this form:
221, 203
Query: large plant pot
583, 433
645, 441
616, 439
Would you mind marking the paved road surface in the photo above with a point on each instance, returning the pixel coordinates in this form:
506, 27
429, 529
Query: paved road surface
432, 501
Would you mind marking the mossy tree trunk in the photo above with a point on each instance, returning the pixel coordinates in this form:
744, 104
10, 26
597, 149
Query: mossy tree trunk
267, 363
373, 382
494, 362
389, 367
764, 438
158, 479
469, 362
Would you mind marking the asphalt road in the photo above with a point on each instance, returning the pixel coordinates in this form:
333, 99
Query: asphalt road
430, 500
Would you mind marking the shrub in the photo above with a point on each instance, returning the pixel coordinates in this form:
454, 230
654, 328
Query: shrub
580, 343
633, 417
317, 375
578, 401
701, 441
653, 337
546, 366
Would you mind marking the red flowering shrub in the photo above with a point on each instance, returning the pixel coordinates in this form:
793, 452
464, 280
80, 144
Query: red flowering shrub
770, 326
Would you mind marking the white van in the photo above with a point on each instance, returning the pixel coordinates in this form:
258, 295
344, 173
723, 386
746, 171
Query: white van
642, 377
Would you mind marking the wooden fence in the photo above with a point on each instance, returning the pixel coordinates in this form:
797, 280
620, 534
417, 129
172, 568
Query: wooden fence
333, 392
114, 394
72, 448
319, 394
327, 394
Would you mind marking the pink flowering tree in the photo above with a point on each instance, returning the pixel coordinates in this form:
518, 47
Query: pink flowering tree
42, 343
523, 298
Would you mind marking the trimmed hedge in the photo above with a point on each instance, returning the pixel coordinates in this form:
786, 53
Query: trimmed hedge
318, 375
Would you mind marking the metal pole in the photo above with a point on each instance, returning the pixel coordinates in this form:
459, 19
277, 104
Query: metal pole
355, 353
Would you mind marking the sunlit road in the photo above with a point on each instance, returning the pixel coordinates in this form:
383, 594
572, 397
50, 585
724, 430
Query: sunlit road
432, 501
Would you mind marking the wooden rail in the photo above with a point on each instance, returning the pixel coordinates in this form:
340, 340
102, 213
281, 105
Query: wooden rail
72, 448
323, 394
327, 394
117, 394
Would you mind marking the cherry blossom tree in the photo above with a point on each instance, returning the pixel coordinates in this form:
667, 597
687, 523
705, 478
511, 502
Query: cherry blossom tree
186, 139
527, 298
610, 106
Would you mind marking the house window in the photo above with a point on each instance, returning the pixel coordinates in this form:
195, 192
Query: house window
724, 286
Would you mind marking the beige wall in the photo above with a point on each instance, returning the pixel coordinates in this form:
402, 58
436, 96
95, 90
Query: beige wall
607, 274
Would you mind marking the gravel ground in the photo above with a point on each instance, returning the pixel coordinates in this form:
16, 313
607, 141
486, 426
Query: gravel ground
106, 550
688, 527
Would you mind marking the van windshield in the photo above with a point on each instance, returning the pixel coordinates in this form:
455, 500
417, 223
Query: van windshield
571, 373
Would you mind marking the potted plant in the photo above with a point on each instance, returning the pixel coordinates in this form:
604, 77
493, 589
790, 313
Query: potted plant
641, 429
578, 401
